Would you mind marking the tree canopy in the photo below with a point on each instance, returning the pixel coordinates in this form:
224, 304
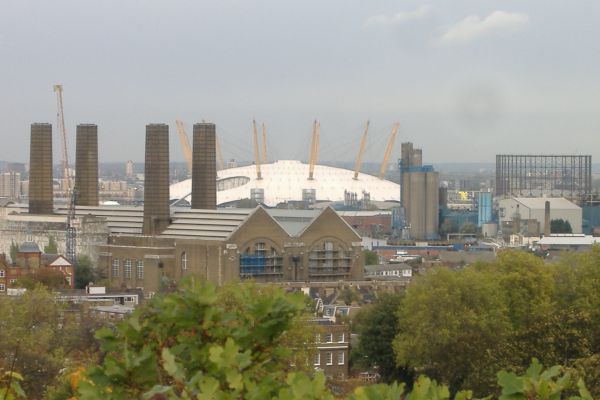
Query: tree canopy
460, 327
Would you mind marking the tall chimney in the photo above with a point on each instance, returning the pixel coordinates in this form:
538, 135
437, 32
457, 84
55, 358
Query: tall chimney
41, 191
204, 168
547, 219
86, 165
156, 181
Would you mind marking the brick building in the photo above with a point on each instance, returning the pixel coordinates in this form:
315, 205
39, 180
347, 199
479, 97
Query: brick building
332, 343
227, 245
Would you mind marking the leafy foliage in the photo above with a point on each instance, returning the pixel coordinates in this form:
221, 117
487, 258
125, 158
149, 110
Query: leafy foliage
47, 277
14, 249
197, 342
377, 325
460, 327
371, 258
84, 272
10, 386
560, 226
52, 247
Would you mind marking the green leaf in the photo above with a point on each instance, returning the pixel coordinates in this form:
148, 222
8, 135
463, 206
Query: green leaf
171, 366
510, 383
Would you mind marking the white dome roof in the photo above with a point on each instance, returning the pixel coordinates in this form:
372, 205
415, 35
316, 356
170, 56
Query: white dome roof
284, 181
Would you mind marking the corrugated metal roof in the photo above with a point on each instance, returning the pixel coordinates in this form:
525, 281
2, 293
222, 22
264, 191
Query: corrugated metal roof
293, 221
558, 203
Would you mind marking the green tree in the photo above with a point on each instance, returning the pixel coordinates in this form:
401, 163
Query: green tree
84, 272
202, 343
467, 227
47, 277
52, 247
376, 325
371, 258
33, 338
448, 226
560, 226
14, 249
448, 323
349, 295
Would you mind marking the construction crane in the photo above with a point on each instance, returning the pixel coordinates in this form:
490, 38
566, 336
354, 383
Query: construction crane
63, 136
71, 232
264, 144
255, 148
314, 149
185, 145
388, 150
361, 151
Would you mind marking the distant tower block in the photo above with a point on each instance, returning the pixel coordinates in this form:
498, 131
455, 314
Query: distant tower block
41, 192
86, 165
129, 169
156, 185
204, 167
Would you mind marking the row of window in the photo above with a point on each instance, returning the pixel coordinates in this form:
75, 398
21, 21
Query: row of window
329, 358
127, 268
328, 337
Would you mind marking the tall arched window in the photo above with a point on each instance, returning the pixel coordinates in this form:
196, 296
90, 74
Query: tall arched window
329, 260
184, 260
261, 261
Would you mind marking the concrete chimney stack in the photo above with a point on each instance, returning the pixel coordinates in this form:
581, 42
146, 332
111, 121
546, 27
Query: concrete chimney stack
547, 219
204, 167
86, 165
41, 191
156, 185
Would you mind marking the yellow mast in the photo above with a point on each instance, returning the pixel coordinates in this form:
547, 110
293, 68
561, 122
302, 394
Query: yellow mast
185, 145
220, 164
388, 150
255, 148
313, 151
264, 144
361, 151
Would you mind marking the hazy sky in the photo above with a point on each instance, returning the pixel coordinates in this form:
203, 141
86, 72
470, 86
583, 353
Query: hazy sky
466, 79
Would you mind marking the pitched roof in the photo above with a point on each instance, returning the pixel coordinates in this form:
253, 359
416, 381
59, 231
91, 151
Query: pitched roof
29, 247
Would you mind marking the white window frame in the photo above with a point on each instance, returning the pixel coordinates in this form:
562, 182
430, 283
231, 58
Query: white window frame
184, 261
329, 338
127, 268
340, 337
2, 274
139, 269
340, 355
115, 268
317, 359
12, 281
2, 287
329, 358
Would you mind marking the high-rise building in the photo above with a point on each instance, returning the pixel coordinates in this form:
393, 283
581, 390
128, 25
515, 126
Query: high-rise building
419, 194
10, 185
129, 169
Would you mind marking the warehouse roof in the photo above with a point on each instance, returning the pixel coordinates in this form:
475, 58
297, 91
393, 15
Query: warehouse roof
556, 203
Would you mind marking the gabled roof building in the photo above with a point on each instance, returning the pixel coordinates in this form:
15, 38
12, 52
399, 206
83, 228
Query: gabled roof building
226, 245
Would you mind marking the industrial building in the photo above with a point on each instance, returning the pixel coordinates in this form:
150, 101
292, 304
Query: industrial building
526, 215
154, 246
567, 176
419, 195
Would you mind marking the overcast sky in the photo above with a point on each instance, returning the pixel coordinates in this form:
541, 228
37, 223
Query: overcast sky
467, 79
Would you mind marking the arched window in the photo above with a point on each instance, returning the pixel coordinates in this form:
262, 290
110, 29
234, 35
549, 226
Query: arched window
184, 265
328, 260
261, 261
